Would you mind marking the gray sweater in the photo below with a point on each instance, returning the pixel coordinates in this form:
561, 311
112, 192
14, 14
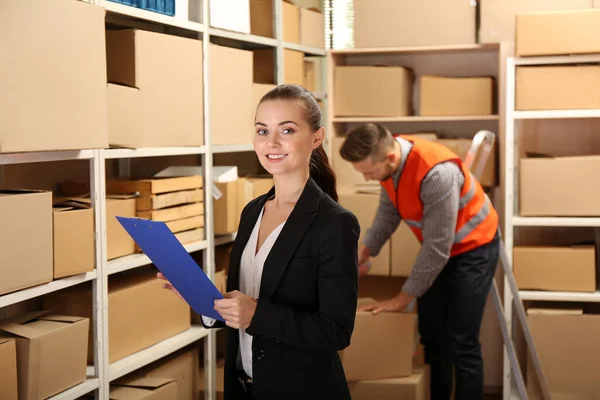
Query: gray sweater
440, 194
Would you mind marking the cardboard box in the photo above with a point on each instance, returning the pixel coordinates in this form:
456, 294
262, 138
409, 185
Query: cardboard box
73, 250
559, 187
558, 88
569, 269
142, 313
313, 67
383, 91
569, 352
235, 195
261, 19
455, 96
364, 207
51, 352
312, 28
183, 368
231, 89
345, 173
404, 250
387, 356
497, 17
293, 67
258, 91
25, 239
395, 23
61, 106
461, 147
311, 4
230, 15
154, 68
413, 387
264, 66
8, 369
144, 388
118, 241
558, 33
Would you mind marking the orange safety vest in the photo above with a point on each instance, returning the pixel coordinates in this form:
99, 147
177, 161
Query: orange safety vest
477, 220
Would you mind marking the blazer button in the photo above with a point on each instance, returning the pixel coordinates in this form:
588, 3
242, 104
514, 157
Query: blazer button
260, 355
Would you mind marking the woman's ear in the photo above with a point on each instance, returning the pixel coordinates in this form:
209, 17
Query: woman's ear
318, 137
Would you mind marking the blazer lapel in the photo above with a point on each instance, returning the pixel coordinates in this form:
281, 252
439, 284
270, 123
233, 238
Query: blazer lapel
289, 238
244, 231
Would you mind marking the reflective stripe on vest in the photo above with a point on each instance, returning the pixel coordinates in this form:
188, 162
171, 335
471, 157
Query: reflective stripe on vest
469, 226
474, 222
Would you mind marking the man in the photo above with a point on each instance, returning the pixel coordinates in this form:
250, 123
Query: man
426, 185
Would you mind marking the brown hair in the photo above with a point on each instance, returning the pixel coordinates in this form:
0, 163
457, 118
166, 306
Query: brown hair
367, 140
320, 170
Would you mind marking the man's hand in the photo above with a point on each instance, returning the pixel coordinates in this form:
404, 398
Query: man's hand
395, 304
237, 309
364, 255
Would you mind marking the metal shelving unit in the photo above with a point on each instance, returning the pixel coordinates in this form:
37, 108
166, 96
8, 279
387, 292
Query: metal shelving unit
101, 373
512, 219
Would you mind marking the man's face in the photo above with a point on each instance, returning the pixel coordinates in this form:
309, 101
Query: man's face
376, 171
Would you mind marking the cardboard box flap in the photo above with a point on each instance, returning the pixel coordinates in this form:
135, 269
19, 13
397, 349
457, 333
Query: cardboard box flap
365, 301
23, 331
120, 65
5, 339
145, 382
25, 317
555, 311
61, 318
19, 191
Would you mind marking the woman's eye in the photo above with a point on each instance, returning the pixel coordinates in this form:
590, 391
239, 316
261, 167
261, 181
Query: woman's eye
262, 132
287, 131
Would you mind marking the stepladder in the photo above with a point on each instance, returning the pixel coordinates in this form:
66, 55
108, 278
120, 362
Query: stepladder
475, 160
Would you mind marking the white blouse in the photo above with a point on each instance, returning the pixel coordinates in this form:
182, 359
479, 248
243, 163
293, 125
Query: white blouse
251, 268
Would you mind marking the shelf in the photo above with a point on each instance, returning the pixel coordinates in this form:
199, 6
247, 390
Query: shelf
77, 391
556, 114
40, 290
45, 156
559, 296
156, 352
138, 260
418, 118
153, 152
308, 50
243, 37
232, 148
556, 221
124, 10
225, 239
419, 49
554, 60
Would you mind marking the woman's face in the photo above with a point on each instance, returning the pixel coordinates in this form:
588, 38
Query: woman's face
283, 141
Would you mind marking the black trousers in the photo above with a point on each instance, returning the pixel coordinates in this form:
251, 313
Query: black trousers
450, 315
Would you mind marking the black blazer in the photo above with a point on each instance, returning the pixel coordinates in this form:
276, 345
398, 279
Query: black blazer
307, 302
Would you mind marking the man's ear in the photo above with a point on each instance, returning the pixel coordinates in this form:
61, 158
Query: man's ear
391, 157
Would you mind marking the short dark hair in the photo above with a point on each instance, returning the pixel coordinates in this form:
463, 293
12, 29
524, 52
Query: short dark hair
366, 140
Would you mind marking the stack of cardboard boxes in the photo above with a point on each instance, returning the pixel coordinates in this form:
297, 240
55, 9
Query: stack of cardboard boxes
42, 354
554, 181
177, 201
384, 368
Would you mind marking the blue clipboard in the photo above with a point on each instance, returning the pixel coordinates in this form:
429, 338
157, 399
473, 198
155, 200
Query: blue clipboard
166, 252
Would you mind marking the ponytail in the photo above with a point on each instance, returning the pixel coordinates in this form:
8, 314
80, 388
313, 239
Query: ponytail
321, 172
320, 169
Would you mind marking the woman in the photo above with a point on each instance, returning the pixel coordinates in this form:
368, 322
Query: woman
293, 276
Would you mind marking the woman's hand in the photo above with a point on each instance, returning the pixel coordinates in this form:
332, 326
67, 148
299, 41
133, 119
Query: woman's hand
237, 309
168, 285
